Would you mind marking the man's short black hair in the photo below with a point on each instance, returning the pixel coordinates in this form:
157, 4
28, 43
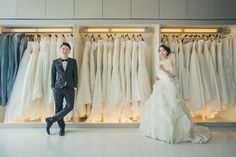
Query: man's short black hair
66, 44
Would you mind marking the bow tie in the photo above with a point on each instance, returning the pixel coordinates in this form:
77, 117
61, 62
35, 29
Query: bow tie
64, 60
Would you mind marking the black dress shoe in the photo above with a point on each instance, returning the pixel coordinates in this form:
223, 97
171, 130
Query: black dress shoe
62, 130
49, 123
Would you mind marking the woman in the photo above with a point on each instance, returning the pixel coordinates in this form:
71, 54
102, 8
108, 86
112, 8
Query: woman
165, 117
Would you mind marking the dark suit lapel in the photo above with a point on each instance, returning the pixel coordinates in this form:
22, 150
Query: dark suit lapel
68, 64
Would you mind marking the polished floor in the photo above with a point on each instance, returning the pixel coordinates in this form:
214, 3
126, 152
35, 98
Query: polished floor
108, 142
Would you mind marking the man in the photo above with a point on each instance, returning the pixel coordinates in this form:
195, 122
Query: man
64, 81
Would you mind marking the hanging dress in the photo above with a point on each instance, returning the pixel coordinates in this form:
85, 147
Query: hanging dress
29, 109
128, 53
125, 108
112, 110
182, 77
221, 75
109, 70
97, 105
128, 99
197, 97
143, 75
176, 53
216, 104
228, 68
234, 56
53, 55
104, 71
213, 54
136, 96
42, 71
92, 67
84, 94
41, 83
204, 72
187, 49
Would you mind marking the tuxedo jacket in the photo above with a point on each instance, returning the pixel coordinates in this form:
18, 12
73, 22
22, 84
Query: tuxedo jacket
60, 77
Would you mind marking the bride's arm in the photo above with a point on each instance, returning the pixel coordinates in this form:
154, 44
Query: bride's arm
171, 75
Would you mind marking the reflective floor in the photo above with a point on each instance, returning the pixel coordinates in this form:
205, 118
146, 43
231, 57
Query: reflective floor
108, 142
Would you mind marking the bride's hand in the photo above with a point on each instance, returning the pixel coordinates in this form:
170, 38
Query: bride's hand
161, 67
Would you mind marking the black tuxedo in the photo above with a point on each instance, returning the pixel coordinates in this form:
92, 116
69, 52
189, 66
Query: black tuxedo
59, 76
63, 83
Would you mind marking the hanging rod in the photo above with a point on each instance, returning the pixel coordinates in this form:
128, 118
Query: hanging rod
37, 30
115, 30
196, 30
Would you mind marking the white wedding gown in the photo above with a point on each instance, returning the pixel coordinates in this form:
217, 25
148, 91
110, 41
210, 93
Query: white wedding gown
165, 117
221, 75
112, 110
204, 73
29, 109
143, 75
136, 95
197, 97
187, 48
97, 106
104, 71
84, 94
125, 109
216, 104
92, 70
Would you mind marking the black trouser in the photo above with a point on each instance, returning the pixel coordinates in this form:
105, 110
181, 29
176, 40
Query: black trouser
61, 112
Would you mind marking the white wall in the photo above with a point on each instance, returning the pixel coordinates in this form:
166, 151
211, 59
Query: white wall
118, 9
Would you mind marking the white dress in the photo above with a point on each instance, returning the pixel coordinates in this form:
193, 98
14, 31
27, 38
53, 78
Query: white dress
176, 53
109, 71
171, 44
213, 54
204, 72
29, 109
53, 55
228, 68
143, 75
125, 108
112, 110
221, 75
234, 56
128, 52
12, 109
165, 117
92, 67
215, 105
136, 95
197, 97
84, 94
182, 77
187, 48
122, 70
104, 71
41, 79
40, 90
97, 105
